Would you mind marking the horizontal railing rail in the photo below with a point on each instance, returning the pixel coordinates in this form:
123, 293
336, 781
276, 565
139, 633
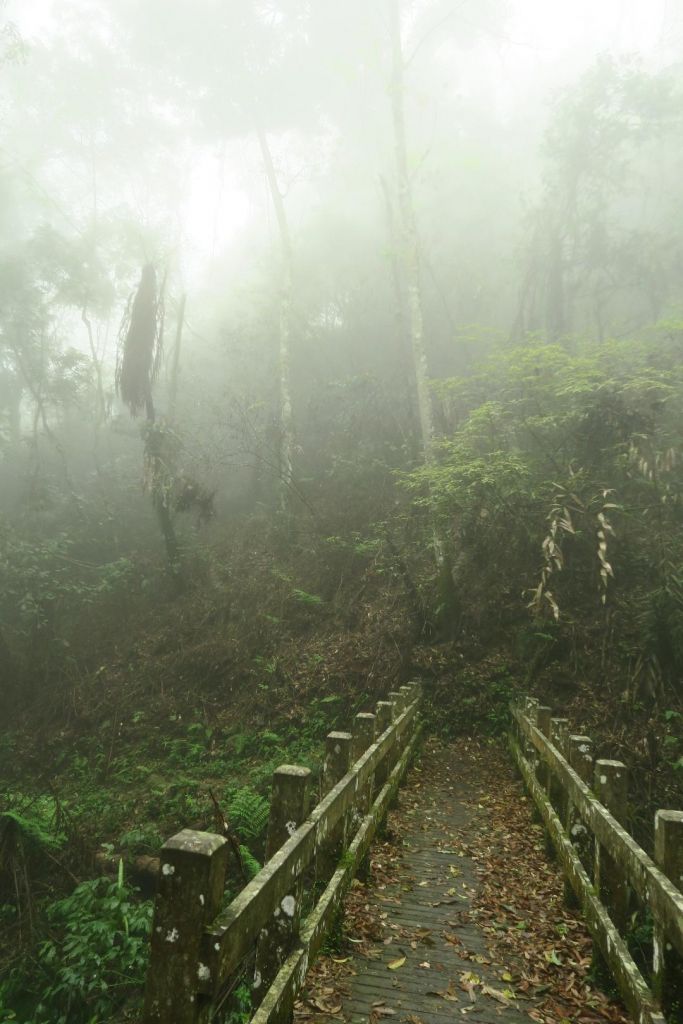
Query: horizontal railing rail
199, 950
583, 803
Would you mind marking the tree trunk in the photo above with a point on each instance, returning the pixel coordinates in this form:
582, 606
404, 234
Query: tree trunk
409, 240
175, 368
446, 611
286, 438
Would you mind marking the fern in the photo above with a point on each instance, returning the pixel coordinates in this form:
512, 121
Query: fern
248, 814
249, 863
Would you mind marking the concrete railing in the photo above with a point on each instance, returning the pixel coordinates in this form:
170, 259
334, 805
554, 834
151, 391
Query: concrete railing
198, 949
584, 806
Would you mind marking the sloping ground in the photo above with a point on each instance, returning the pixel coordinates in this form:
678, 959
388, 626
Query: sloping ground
462, 915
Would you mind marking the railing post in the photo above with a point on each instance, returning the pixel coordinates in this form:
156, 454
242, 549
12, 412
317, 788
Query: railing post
581, 757
528, 708
667, 974
385, 717
337, 759
611, 789
288, 810
543, 717
363, 737
581, 760
399, 700
335, 766
191, 884
559, 736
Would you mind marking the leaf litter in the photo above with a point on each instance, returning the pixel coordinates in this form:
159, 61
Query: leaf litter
538, 952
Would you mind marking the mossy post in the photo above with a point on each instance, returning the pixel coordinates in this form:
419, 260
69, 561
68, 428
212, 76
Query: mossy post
384, 713
399, 700
543, 717
191, 885
581, 760
335, 766
530, 705
611, 788
559, 737
667, 973
581, 757
288, 810
337, 759
363, 737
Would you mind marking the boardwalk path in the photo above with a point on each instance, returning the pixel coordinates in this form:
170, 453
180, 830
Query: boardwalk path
423, 945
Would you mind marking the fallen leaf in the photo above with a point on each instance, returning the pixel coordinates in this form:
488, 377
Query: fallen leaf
394, 965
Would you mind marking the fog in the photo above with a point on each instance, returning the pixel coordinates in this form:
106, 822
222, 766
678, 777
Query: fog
341, 212
340, 344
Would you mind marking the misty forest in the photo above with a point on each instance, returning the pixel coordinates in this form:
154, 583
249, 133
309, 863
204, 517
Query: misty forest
341, 347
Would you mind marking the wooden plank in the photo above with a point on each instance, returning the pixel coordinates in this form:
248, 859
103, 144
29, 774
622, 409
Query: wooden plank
664, 900
630, 982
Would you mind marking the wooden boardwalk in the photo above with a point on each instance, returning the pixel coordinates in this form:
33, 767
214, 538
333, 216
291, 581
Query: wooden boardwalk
447, 973
462, 916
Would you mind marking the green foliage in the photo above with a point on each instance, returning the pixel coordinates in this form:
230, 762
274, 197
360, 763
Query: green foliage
96, 956
240, 1010
249, 863
560, 487
30, 830
248, 814
304, 598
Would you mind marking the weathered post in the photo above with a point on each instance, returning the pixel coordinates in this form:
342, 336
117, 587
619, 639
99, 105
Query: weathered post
559, 736
363, 737
337, 759
540, 716
288, 810
581, 757
529, 705
335, 766
543, 717
611, 789
667, 974
191, 884
385, 717
399, 700
407, 691
581, 760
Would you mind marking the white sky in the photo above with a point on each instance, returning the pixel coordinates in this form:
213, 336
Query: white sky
544, 41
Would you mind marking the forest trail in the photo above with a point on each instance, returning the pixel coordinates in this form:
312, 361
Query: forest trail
462, 916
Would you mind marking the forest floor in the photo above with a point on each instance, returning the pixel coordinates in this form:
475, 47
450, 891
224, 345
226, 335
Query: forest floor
462, 913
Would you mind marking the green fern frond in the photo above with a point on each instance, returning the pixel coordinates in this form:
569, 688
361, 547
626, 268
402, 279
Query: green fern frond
248, 814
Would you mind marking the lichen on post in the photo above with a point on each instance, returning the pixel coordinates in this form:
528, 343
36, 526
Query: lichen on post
399, 700
384, 718
363, 737
559, 736
581, 760
581, 757
336, 765
543, 717
667, 966
611, 788
191, 885
288, 810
